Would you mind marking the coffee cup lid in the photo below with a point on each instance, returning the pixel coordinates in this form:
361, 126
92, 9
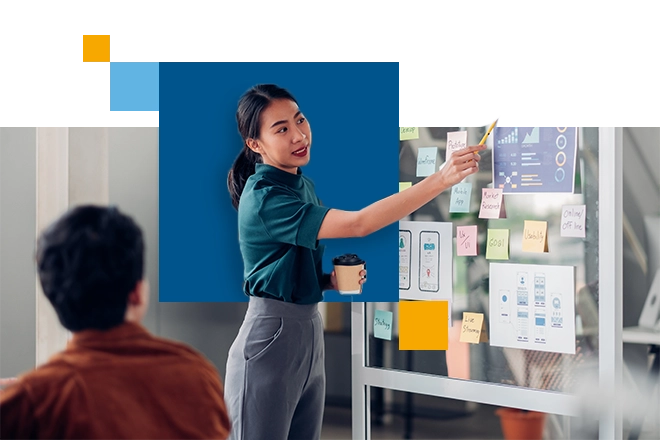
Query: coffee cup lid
347, 260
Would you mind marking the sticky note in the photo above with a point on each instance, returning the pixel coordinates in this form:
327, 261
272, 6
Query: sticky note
456, 140
473, 328
423, 325
497, 244
466, 240
404, 185
383, 325
492, 203
535, 236
460, 197
573, 221
426, 158
96, 48
408, 133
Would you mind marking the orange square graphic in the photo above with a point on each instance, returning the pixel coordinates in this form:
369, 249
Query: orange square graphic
423, 325
96, 48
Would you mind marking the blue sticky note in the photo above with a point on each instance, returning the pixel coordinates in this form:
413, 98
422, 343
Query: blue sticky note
460, 197
426, 158
383, 325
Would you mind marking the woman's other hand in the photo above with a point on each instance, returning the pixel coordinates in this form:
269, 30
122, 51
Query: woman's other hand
333, 279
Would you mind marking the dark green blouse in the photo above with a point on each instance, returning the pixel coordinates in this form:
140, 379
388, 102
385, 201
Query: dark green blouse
279, 217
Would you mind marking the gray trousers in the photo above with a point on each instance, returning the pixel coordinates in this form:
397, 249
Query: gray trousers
275, 378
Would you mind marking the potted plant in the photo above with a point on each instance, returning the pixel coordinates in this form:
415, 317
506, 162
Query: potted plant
520, 424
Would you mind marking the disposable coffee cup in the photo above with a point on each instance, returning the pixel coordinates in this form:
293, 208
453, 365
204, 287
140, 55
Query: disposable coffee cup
347, 270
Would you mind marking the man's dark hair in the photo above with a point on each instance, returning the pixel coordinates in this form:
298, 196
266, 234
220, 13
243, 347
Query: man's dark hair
88, 262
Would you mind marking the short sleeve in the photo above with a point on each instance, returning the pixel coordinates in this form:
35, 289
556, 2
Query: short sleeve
288, 219
16, 413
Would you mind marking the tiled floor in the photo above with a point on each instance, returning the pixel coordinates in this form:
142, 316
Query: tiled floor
482, 424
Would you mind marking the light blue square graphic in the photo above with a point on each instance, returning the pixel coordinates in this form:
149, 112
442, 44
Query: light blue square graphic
383, 325
134, 86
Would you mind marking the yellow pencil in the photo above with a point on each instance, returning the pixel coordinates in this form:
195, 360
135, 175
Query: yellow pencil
483, 140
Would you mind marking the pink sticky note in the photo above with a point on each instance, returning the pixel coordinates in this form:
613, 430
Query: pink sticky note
456, 140
466, 240
492, 203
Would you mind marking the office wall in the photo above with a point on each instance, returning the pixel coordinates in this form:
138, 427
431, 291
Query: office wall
17, 239
641, 190
209, 327
133, 187
646, 185
641, 187
641, 166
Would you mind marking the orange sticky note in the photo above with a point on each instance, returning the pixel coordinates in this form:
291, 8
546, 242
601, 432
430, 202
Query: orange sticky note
423, 325
535, 236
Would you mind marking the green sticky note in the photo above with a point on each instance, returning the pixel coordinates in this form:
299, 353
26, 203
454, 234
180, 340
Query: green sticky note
404, 185
497, 244
408, 133
383, 325
460, 197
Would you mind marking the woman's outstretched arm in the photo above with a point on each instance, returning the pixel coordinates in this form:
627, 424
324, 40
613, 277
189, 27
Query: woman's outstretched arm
345, 224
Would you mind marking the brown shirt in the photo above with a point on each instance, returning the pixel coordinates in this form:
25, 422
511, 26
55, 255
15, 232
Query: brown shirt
119, 383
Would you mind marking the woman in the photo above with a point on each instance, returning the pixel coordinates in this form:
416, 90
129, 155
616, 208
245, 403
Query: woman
275, 378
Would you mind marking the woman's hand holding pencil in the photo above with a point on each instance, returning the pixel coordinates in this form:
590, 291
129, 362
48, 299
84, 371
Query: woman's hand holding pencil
461, 164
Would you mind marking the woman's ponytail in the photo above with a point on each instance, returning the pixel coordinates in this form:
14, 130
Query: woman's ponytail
242, 168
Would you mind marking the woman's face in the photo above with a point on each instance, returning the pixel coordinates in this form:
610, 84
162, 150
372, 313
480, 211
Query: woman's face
285, 137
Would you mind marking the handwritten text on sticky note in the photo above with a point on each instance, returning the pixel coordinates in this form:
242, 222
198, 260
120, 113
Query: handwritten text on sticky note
466, 240
573, 221
492, 203
460, 197
408, 133
535, 236
497, 244
383, 325
473, 328
456, 140
426, 158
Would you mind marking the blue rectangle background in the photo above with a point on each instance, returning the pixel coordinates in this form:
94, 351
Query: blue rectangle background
353, 110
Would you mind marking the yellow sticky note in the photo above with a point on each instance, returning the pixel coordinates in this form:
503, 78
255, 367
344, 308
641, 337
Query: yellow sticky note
473, 328
404, 185
408, 133
535, 236
497, 244
423, 325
